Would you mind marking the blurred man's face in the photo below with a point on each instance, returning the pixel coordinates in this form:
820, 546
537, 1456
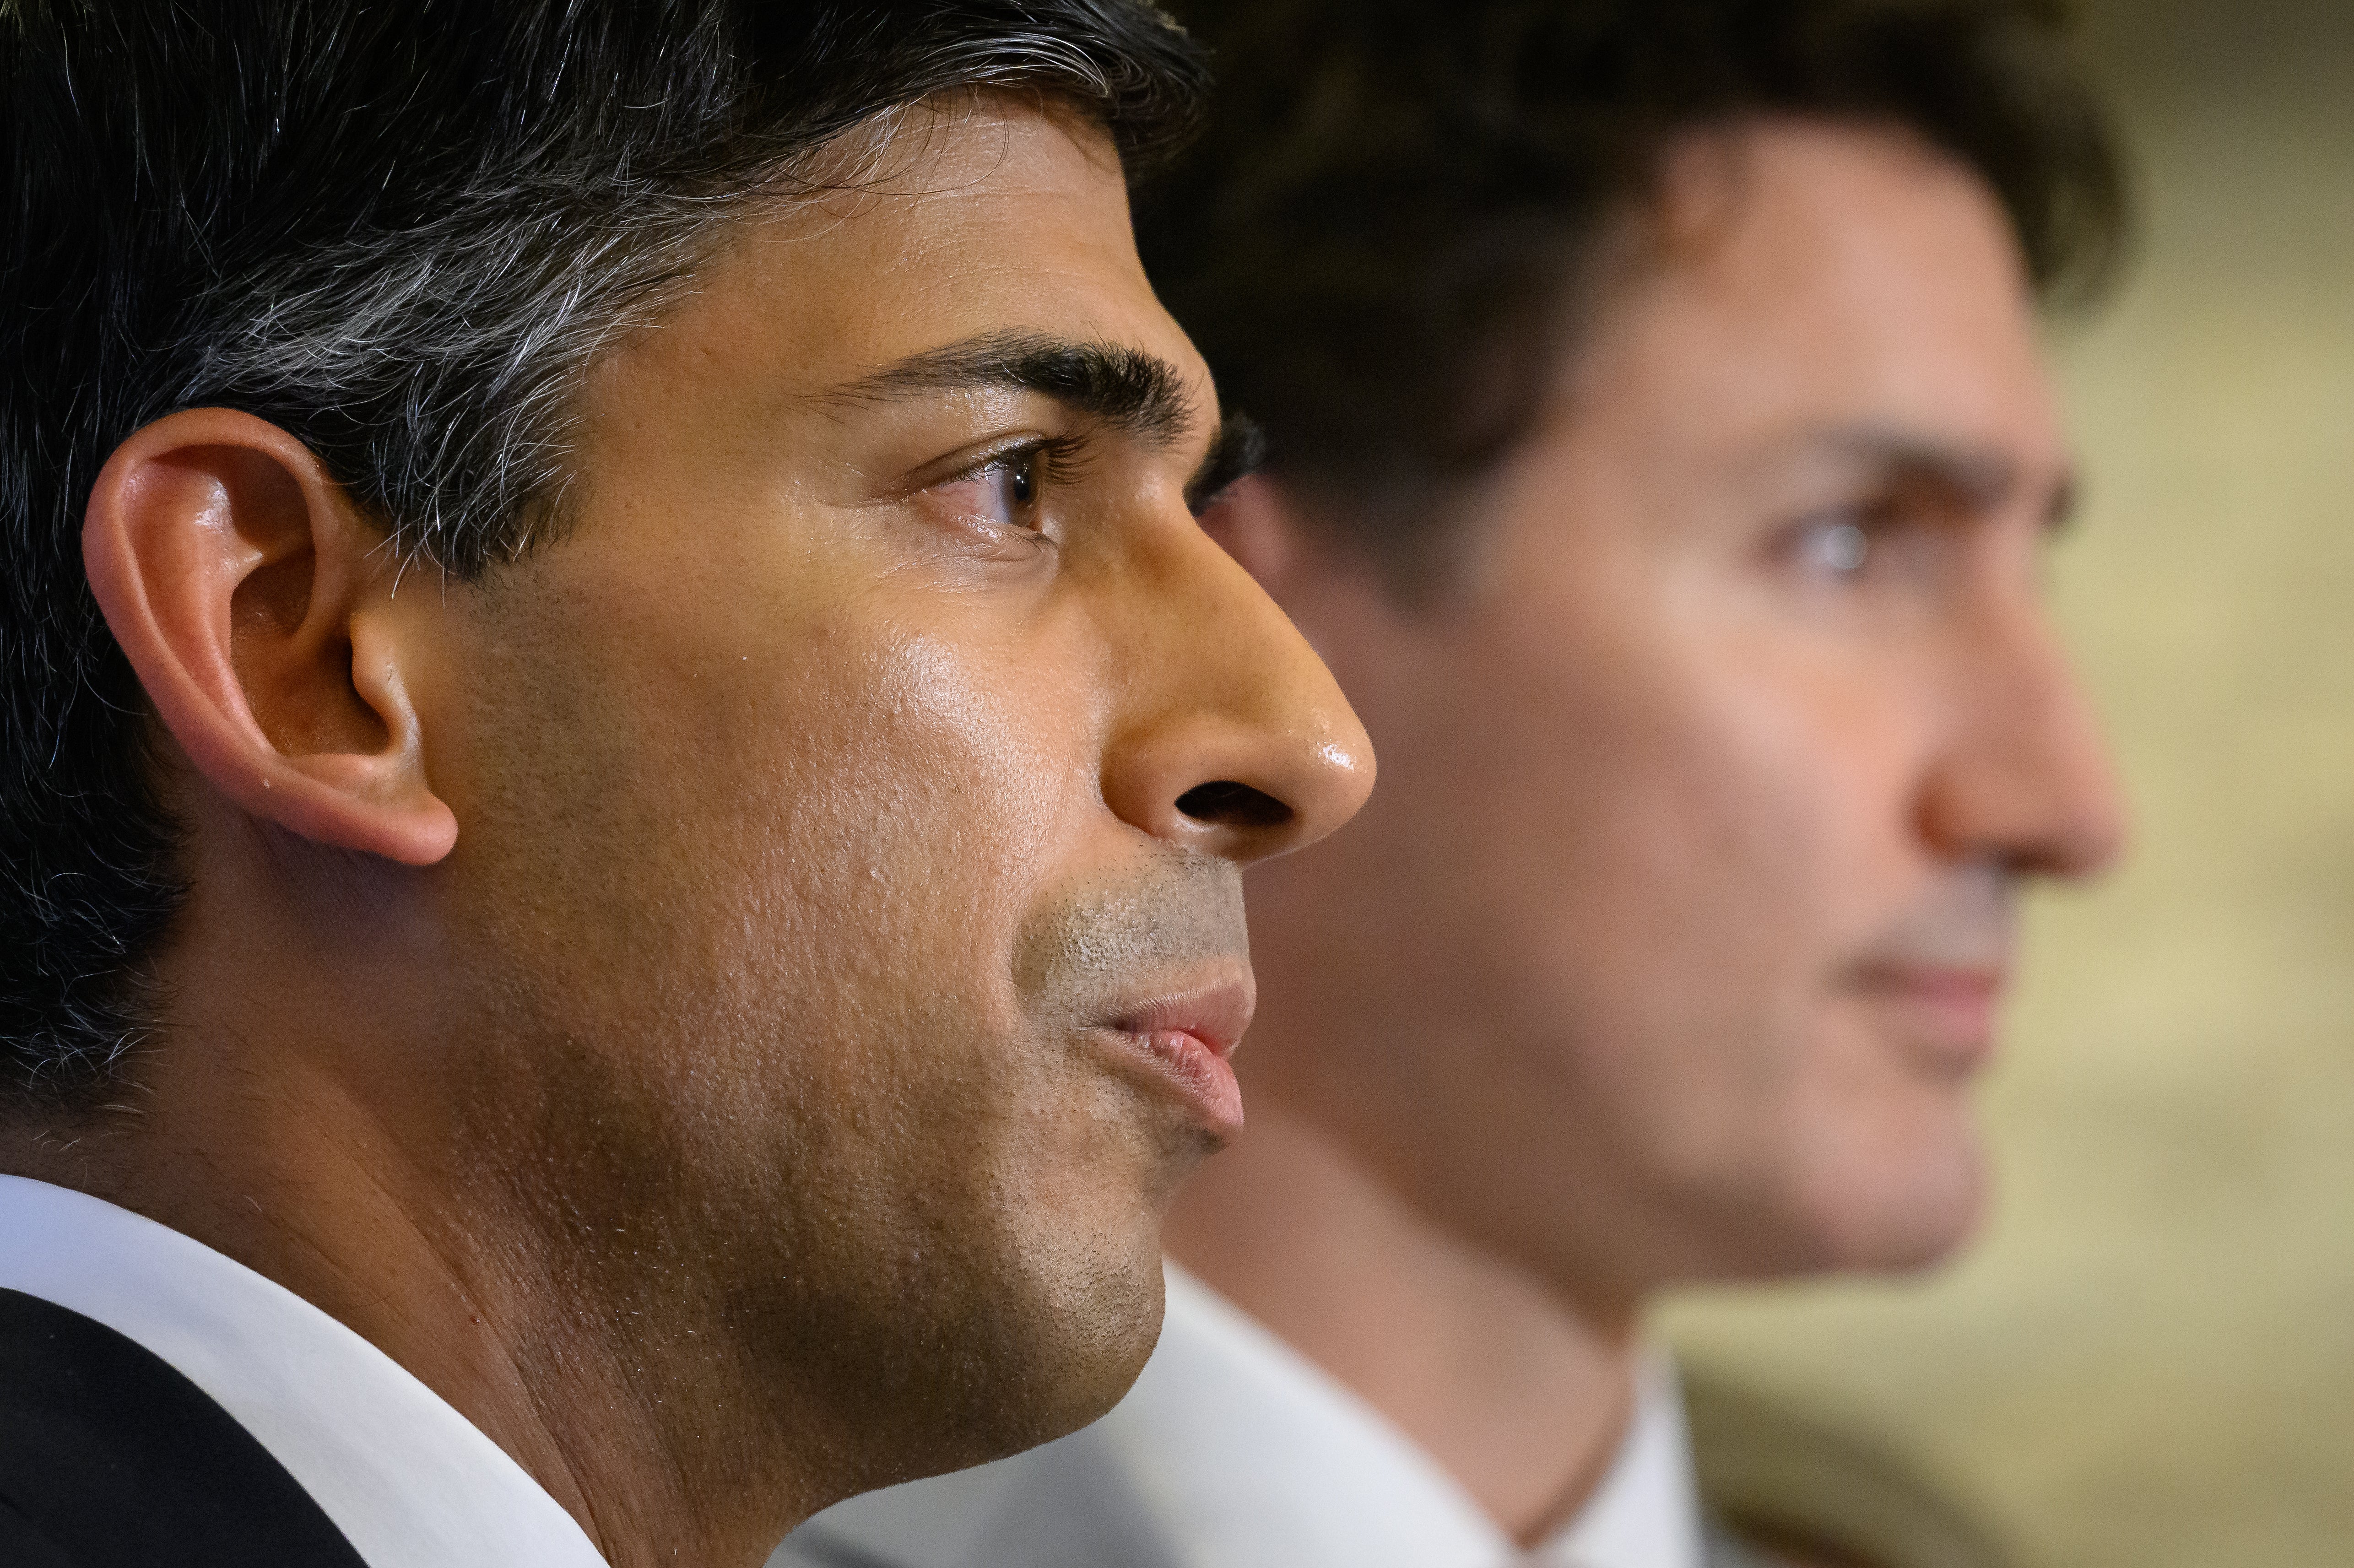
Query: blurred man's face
846, 944
1676, 933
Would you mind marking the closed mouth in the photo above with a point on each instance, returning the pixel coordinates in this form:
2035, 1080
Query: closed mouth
1951, 1009
1186, 1038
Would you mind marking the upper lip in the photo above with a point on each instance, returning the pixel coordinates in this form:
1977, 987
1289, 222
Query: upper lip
1215, 1014
1900, 975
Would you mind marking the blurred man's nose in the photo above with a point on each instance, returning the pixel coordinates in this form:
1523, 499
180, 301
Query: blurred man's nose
1232, 737
2026, 778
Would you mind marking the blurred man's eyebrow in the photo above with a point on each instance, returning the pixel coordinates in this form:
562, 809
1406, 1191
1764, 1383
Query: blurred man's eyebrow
1982, 477
1122, 387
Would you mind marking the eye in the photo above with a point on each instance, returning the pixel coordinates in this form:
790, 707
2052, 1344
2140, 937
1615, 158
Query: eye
1002, 493
1835, 545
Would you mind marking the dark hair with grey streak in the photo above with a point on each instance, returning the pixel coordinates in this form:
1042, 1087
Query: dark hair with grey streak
1379, 239
400, 230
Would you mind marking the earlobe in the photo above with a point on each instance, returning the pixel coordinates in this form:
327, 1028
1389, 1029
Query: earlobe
252, 598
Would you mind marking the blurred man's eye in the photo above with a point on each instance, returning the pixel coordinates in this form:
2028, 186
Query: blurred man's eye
1834, 545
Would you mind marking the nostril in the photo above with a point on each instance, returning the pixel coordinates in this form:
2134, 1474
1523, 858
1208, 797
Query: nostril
1225, 803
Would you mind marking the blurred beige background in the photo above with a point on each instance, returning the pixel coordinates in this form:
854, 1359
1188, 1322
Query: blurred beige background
2149, 1358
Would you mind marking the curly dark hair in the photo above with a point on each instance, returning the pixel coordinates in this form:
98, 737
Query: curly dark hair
1371, 240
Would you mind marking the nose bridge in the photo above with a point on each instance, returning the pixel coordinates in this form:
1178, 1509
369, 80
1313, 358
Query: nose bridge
1230, 735
2027, 779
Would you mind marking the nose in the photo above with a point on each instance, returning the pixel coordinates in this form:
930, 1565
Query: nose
2027, 780
1231, 737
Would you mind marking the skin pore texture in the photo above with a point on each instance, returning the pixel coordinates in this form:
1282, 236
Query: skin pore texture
1672, 942
726, 999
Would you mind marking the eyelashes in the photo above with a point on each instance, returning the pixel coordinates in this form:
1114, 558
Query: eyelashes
1237, 452
1008, 492
1021, 486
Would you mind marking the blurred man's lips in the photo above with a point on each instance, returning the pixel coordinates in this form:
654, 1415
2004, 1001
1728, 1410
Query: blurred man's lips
1947, 1011
1185, 1039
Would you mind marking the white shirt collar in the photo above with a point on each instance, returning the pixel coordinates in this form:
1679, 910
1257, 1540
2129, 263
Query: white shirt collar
409, 1481
1235, 1451
1645, 1513
1246, 1453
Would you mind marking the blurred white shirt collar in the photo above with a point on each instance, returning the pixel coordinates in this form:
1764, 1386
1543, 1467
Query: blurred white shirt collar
1235, 1451
409, 1481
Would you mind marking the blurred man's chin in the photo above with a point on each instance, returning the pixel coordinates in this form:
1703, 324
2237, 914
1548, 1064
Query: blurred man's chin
1910, 1212
1906, 1198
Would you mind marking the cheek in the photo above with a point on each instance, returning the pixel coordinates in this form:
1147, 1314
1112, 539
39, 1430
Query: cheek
1780, 843
1659, 824
774, 864
1675, 847
885, 818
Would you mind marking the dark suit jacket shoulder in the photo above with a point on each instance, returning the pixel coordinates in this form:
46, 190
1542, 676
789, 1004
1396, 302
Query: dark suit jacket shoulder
111, 1458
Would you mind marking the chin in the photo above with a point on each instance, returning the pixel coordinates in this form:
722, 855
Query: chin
1102, 1305
1901, 1214
1058, 1341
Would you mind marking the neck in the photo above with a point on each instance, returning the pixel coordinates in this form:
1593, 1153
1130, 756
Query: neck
270, 1159
1521, 1397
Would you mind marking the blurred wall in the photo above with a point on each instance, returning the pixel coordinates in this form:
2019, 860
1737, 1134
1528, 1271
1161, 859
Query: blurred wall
2149, 1358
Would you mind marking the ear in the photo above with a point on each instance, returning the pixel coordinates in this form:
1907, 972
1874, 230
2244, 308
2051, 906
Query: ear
253, 599
1256, 522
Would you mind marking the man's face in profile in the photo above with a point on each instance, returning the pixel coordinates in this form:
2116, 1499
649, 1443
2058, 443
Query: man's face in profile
1686, 904
849, 941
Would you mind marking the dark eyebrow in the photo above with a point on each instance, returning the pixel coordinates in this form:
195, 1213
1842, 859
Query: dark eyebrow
1984, 480
1124, 387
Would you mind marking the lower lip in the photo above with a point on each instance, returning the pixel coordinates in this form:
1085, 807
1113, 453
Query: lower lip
1950, 1016
1205, 1078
